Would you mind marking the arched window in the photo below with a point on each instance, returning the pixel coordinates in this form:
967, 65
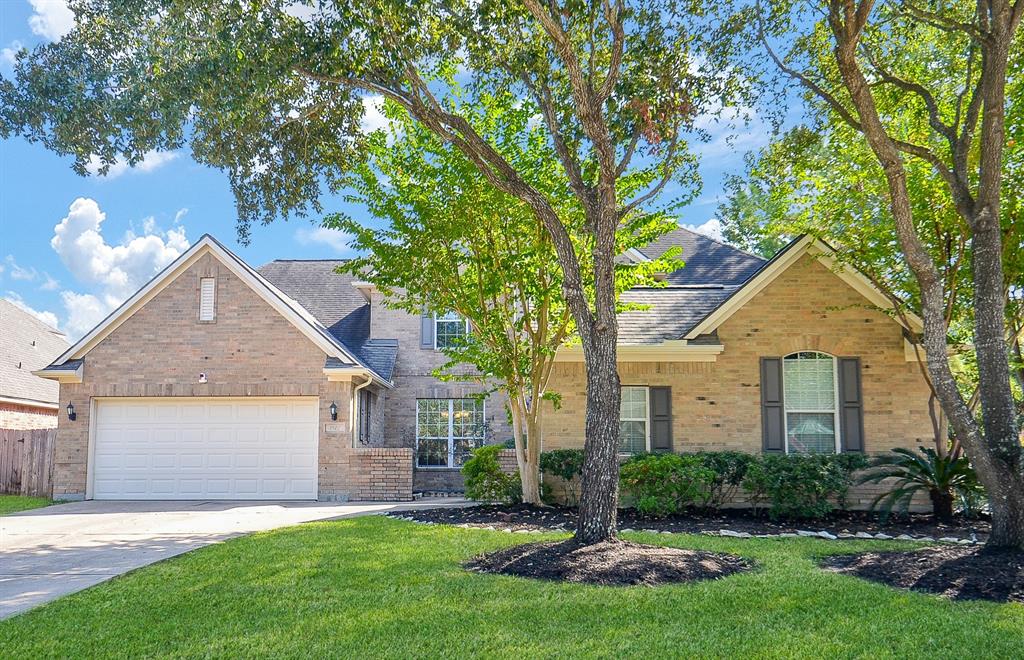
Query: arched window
809, 395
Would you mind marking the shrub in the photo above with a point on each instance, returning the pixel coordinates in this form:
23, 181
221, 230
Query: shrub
662, 484
801, 486
485, 482
730, 469
567, 465
943, 478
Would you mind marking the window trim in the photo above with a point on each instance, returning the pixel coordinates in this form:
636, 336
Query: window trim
437, 319
450, 465
835, 402
646, 421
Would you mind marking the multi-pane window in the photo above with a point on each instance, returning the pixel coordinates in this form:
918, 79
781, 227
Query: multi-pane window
449, 329
447, 430
365, 415
809, 395
634, 420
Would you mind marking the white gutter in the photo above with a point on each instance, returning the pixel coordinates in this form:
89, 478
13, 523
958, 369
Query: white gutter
354, 407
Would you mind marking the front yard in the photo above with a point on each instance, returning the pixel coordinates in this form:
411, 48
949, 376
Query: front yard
384, 587
16, 503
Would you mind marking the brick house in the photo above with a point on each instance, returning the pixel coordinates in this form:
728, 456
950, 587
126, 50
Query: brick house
27, 344
221, 381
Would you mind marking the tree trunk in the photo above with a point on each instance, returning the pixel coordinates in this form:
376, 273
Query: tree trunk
600, 481
1006, 501
527, 450
942, 505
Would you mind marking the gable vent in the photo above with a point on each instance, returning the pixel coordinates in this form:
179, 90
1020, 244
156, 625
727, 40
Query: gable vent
207, 299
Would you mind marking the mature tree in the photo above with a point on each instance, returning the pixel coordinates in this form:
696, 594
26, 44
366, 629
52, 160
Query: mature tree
872, 66
453, 242
271, 91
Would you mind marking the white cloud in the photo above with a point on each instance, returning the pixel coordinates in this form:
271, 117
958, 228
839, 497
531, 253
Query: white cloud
151, 160
84, 312
20, 272
49, 283
49, 318
373, 116
182, 212
333, 238
712, 229
733, 130
51, 19
112, 272
8, 55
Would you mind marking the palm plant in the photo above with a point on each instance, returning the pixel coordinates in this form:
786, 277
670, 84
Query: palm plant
942, 477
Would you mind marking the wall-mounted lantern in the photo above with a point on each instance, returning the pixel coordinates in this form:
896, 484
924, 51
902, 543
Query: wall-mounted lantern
334, 411
71, 412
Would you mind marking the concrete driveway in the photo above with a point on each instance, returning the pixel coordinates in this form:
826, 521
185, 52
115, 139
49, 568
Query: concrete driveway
51, 552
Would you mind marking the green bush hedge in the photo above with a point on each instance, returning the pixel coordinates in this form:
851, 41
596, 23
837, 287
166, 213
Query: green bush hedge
485, 482
567, 465
663, 484
801, 486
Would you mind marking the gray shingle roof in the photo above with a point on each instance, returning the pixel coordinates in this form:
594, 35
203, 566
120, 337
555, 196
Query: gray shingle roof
671, 311
26, 345
330, 297
707, 261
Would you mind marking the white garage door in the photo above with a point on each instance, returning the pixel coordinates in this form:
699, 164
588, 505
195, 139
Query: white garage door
209, 448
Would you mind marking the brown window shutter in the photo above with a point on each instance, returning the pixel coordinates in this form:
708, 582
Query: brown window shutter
851, 405
661, 418
773, 426
426, 329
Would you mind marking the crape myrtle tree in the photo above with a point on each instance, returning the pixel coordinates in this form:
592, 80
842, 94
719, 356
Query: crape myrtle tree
271, 91
873, 66
452, 242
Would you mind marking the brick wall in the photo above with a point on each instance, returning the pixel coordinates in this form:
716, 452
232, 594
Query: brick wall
380, 474
716, 405
414, 379
248, 350
24, 418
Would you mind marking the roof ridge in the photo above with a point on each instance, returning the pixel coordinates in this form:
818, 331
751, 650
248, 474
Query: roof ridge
306, 260
722, 243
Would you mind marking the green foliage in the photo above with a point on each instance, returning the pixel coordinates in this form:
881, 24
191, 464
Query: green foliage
567, 465
485, 481
663, 484
943, 478
801, 486
729, 469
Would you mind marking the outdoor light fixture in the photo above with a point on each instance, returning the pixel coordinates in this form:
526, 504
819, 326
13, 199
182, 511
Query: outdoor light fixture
334, 411
71, 412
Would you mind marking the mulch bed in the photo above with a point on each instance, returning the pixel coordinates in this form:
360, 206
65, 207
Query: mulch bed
526, 518
956, 572
616, 563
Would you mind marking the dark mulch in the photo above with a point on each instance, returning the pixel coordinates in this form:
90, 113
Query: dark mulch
956, 572
610, 563
523, 517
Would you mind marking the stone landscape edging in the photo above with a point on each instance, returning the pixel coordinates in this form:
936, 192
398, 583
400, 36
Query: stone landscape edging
800, 533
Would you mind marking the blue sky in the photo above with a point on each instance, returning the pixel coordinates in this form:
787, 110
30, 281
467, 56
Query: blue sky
72, 248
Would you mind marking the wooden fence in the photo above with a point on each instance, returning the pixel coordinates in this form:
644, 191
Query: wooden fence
26, 462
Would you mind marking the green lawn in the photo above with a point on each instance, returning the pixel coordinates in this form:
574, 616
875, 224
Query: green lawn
16, 503
390, 588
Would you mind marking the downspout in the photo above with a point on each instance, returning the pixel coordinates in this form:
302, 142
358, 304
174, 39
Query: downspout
354, 408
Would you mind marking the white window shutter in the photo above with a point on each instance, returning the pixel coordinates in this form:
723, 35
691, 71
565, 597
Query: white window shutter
207, 298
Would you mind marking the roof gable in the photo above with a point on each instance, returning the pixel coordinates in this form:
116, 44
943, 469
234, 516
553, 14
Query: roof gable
305, 322
778, 264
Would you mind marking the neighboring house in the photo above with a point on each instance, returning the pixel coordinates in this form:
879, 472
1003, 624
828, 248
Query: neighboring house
27, 344
217, 380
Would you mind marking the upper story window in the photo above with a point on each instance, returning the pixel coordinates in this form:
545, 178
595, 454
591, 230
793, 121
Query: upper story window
634, 420
449, 329
809, 395
207, 299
